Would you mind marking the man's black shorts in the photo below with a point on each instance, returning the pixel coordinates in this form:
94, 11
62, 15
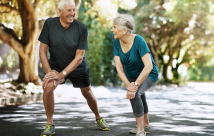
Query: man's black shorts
78, 82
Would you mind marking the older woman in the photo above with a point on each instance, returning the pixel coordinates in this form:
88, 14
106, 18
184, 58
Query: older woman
135, 67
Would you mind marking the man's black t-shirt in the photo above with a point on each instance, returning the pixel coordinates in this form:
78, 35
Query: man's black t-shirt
63, 43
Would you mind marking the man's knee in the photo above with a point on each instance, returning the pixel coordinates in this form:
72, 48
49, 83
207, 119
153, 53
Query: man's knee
87, 93
50, 87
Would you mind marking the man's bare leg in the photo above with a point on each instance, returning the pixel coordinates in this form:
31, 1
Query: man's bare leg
48, 99
91, 100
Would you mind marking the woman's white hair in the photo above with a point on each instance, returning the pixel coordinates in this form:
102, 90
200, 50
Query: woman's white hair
62, 4
125, 21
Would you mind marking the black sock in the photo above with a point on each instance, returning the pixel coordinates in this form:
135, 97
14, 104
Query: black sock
51, 125
99, 119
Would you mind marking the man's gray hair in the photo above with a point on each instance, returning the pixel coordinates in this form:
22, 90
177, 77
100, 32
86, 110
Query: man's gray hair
62, 4
125, 21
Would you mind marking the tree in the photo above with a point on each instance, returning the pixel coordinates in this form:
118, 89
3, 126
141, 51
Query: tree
21, 15
97, 15
201, 69
25, 43
99, 55
171, 30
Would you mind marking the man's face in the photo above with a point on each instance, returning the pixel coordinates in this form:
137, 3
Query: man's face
68, 14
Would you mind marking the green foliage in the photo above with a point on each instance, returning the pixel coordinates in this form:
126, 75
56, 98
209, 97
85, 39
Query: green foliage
10, 62
201, 68
99, 56
176, 30
105, 10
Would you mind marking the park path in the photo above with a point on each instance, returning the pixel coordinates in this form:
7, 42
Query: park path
174, 111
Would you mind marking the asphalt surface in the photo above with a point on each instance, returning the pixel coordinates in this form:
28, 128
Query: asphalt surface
174, 111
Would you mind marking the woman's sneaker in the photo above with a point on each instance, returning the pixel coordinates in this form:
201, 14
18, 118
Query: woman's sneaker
134, 131
140, 134
49, 130
147, 129
101, 123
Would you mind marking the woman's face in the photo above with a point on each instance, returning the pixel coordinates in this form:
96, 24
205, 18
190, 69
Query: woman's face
118, 33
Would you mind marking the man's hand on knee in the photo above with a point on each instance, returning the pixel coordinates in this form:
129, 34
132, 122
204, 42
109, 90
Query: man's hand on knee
54, 75
55, 82
46, 79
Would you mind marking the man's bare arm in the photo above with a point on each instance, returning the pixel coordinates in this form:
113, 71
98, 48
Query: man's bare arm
43, 57
44, 60
72, 66
76, 62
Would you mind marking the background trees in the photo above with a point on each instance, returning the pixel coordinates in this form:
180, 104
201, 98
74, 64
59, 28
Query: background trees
19, 28
179, 34
174, 33
98, 15
23, 37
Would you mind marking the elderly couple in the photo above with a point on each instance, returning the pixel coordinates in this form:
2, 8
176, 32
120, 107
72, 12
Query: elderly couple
66, 39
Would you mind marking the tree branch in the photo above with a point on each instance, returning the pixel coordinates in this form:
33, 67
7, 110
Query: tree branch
12, 9
77, 3
178, 44
153, 51
36, 2
5, 12
29, 6
8, 36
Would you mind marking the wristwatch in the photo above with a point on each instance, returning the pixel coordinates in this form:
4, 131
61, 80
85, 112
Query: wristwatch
64, 73
135, 83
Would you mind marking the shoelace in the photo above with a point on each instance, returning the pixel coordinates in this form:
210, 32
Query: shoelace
103, 122
140, 132
47, 127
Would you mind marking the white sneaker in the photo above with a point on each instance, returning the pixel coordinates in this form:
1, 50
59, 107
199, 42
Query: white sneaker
140, 134
134, 131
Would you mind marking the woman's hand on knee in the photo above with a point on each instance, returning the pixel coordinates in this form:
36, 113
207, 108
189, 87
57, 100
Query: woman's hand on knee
130, 95
132, 87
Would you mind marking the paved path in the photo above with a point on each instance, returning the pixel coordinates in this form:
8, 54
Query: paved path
183, 111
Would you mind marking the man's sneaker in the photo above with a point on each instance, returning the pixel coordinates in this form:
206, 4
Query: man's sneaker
101, 123
134, 131
49, 130
140, 134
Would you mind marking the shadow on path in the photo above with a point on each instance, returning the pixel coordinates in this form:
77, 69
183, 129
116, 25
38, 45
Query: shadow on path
184, 111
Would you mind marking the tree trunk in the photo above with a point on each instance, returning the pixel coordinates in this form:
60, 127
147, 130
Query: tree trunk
77, 4
27, 46
155, 57
28, 70
175, 72
165, 69
154, 51
28, 64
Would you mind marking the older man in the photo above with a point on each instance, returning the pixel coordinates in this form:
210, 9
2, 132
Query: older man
66, 39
